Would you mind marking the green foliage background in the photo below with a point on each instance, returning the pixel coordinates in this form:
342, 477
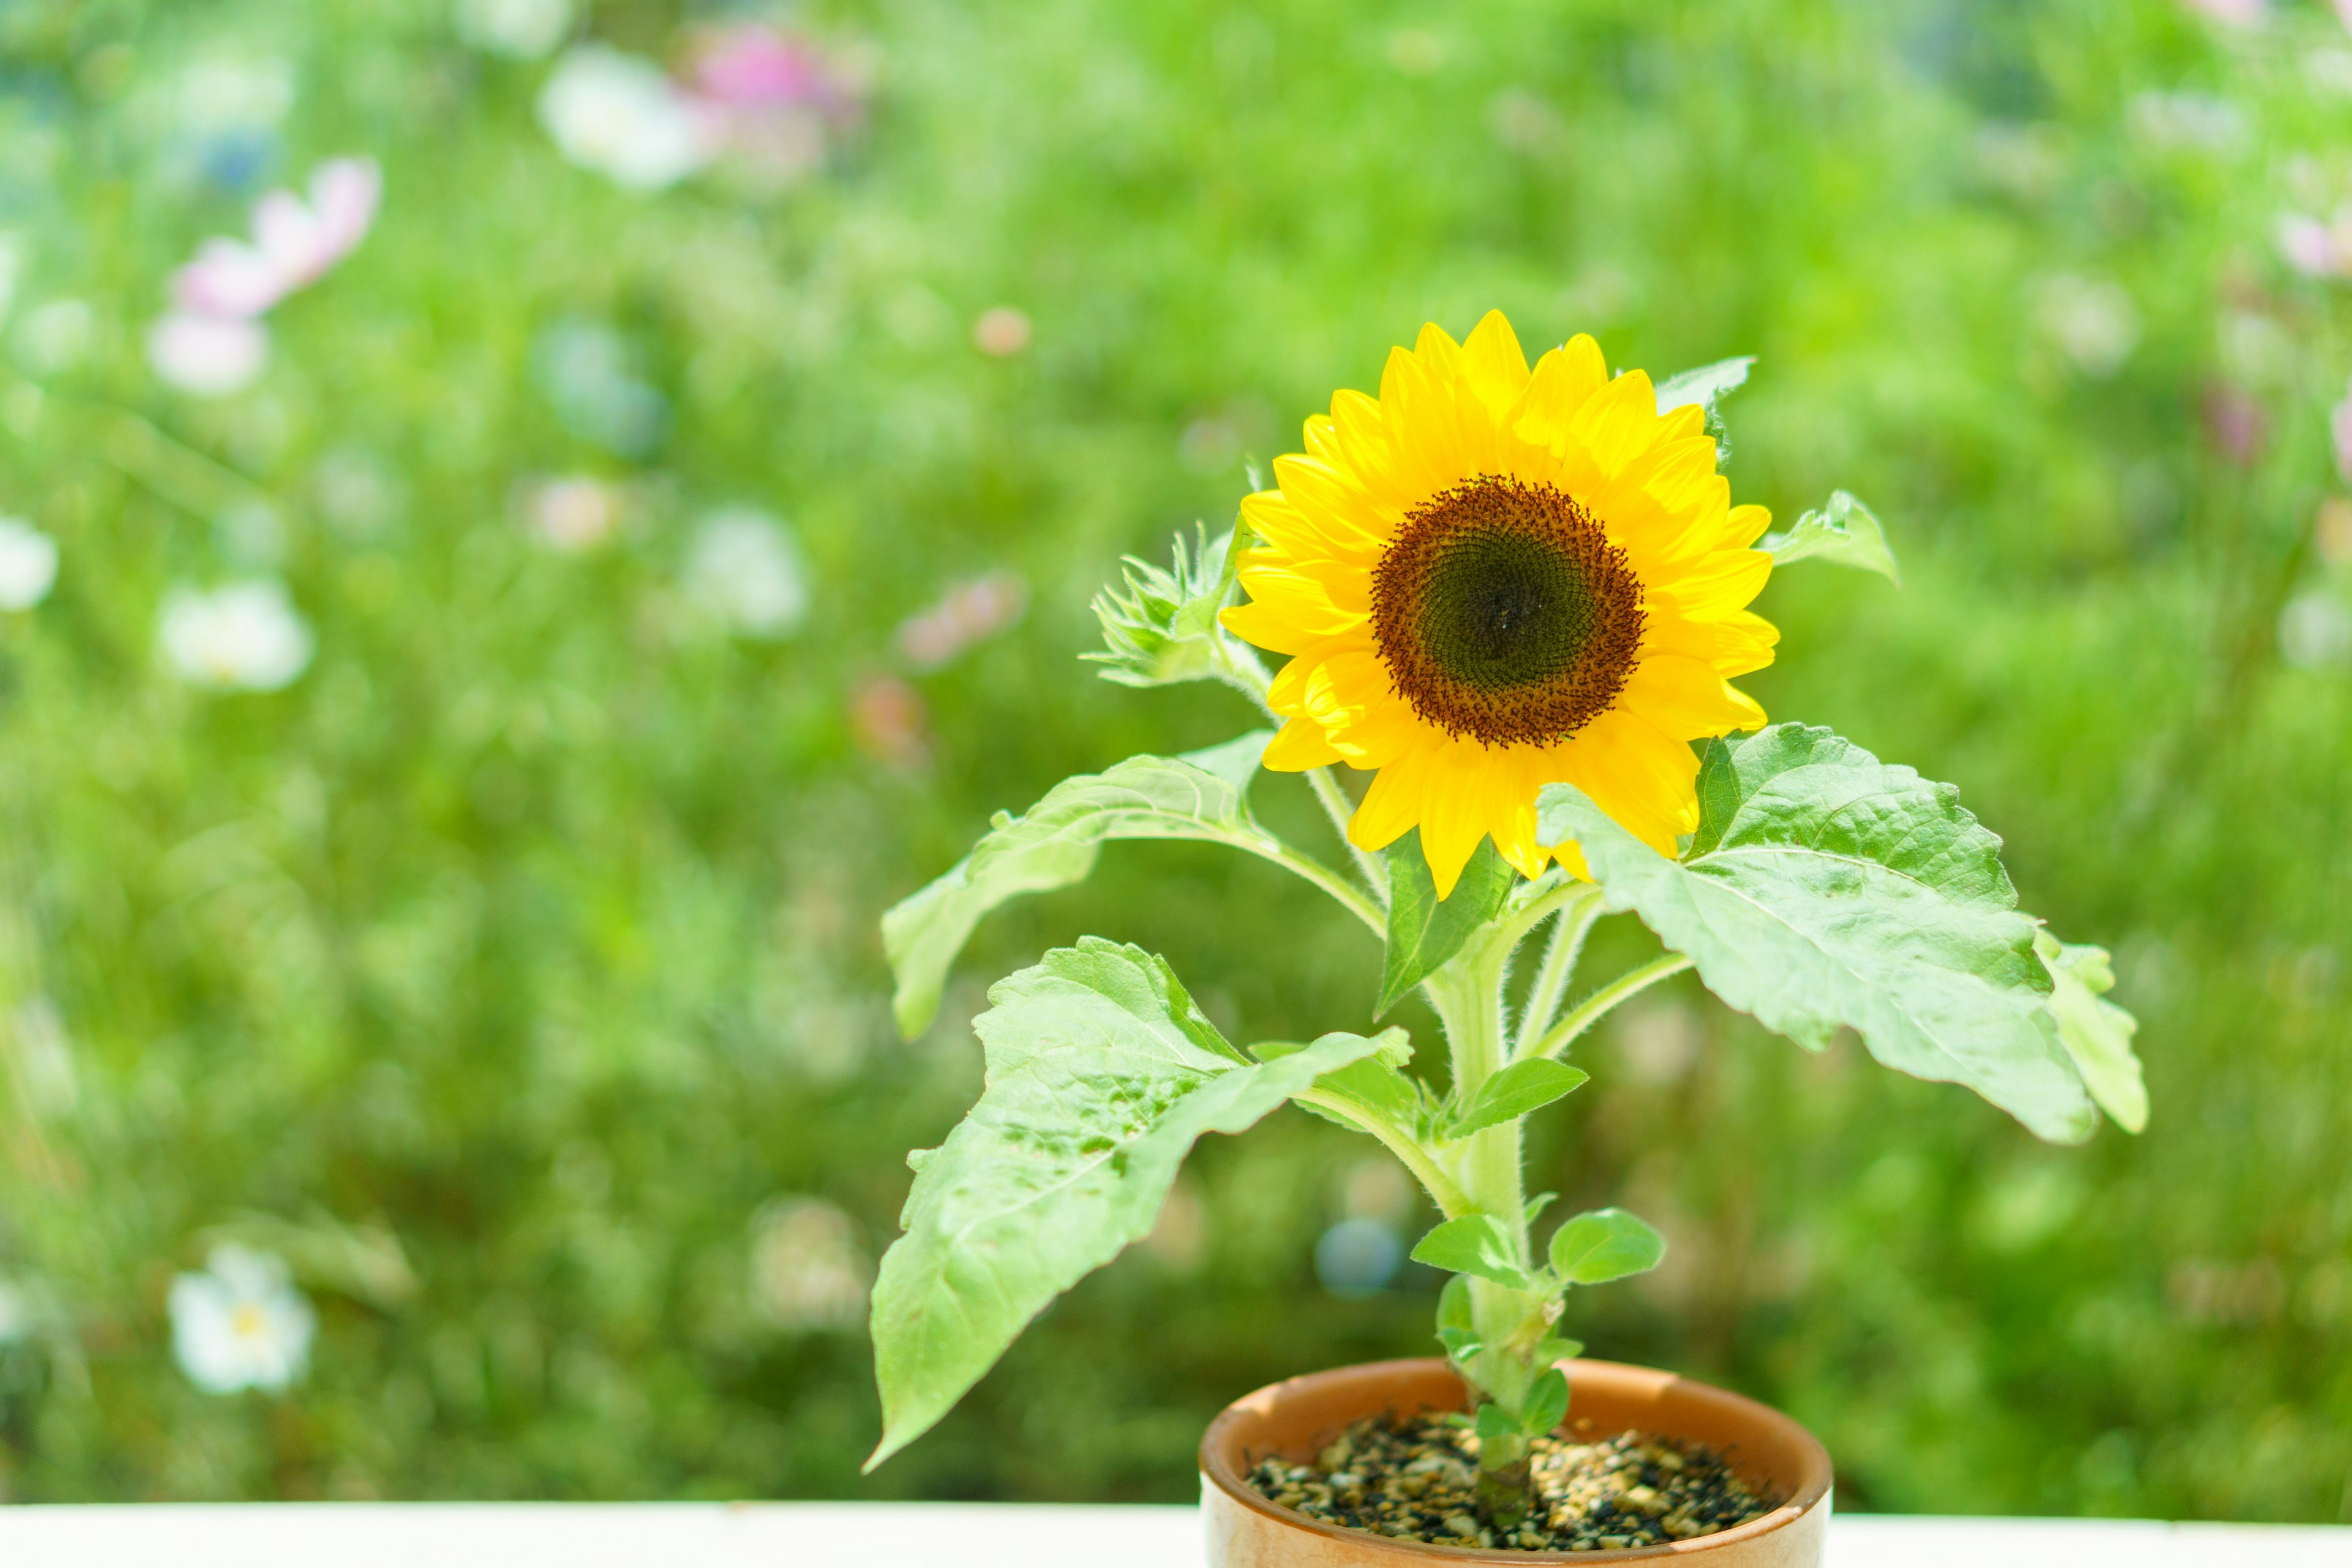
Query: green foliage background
534, 926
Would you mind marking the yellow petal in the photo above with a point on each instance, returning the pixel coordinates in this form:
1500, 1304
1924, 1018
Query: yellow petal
1561, 382
1393, 803
1267, 628
1616, 424
1298, 746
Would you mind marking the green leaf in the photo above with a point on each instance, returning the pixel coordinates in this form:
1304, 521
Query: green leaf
1824, 888
1462, 1344
1197, 796
1512, 1092
1453, 1305
1555, 1348
1706, 386
1602, 1244
2095, 1032
1159, 626
1474, 1244
1101, 1074
1426, 930
1493, 1421
1845, 533
1535, 1206
1547, 1405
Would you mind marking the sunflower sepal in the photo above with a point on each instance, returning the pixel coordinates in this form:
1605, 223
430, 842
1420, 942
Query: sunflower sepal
1159, 624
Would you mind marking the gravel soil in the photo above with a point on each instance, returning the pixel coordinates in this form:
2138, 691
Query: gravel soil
1415, 1479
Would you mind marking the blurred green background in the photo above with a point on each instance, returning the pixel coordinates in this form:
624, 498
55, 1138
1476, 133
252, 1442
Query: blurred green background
511, 971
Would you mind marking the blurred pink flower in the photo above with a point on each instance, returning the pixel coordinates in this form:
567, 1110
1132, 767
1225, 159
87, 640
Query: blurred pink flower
752, 66
2316, 248
775, 97
2237, 13
293, 246
2344, 12
572, 513
889, 721
968, 612
2235, 422
211, 356
2339, 427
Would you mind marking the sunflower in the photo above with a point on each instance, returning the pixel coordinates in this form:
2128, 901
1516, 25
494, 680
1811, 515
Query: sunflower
1490, 579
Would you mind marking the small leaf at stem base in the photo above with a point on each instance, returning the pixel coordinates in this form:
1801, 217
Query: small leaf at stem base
1474, 1244
1547, 1405
1603, 1244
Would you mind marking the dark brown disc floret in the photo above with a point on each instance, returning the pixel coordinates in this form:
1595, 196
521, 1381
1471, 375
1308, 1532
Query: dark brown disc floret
1503, 612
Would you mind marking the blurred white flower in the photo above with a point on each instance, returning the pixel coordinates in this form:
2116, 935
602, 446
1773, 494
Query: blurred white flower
968, 612
244, 637
2317, 249
211, 356
572, 513
518, 29
241, 1324
618, 115
16, 1314
28, 564
294, 243
2197, 120
745, 568
2093, 322
2237, 13
808, 1271
2315, 631
227, 93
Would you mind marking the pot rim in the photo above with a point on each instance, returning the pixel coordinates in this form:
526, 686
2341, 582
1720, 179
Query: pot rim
1813, 1484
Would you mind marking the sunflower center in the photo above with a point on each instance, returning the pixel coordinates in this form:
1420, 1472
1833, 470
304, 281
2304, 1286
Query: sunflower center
1503, 612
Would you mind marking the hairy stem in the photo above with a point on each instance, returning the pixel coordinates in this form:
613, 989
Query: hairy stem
1451, 1200
1589, 1011
1558, 967
1336, 807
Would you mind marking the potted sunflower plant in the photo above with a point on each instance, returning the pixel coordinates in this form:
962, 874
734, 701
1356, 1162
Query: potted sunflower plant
1516, 596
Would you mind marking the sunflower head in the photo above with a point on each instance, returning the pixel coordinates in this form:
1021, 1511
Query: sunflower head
1491, 578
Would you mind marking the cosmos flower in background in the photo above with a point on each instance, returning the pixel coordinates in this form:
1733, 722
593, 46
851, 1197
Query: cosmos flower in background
746, 570
28, 564
212, 343
2317, 249
241, 1324
808, 1271
617, 115
968, 612
244, 637
774, 99
574, 512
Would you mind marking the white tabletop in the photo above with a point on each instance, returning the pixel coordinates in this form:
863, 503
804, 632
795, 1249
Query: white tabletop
974, 1535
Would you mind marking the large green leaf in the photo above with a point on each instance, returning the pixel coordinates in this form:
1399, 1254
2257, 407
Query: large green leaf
1827, 889
1101, 1074
2095, 1032
1425, 930
1845, 533
1197, 795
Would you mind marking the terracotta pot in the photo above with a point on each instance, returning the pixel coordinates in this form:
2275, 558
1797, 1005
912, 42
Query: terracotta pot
1295, 1419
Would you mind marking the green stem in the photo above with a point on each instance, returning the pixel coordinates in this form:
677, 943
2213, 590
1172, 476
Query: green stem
1350, 897
1451, 1200
1558, 967
1594, 1007
1336, 807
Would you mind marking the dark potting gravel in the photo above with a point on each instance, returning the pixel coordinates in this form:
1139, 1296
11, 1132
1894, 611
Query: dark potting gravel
1416, 1478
